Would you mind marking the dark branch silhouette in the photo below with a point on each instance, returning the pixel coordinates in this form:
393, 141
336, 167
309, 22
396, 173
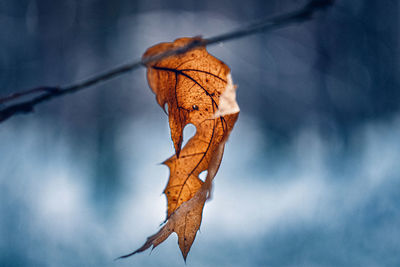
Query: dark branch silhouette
47, 92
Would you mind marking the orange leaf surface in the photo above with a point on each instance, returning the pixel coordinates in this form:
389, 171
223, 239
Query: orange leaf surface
192, 85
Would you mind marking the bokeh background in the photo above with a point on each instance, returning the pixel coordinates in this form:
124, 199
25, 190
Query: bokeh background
311, 173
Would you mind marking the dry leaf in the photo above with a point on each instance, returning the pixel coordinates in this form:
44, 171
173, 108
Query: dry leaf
198, 89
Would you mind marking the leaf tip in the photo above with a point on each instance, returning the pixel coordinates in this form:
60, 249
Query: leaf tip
125, 256
184, 255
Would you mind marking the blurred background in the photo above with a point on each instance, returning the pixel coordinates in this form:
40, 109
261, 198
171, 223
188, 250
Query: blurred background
311, 173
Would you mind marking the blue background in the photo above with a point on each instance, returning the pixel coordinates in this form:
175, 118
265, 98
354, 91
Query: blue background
311, 173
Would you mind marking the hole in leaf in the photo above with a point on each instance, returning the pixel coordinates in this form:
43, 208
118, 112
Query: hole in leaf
203, 176
188, 132
165, 107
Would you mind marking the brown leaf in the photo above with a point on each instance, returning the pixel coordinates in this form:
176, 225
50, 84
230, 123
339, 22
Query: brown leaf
191, 84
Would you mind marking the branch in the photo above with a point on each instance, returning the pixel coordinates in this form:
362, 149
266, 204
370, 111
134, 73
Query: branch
47, 93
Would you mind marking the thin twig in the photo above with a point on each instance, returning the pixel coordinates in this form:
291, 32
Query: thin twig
48, 93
